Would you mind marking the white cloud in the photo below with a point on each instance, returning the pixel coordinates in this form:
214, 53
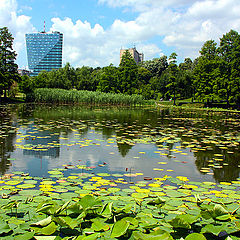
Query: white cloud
93, 46
18, 25
183, 24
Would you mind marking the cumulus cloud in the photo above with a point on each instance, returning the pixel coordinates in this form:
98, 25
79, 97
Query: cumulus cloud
18, 25
183, 24
94, 46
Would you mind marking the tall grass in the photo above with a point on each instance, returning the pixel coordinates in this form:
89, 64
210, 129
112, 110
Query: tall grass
54, 95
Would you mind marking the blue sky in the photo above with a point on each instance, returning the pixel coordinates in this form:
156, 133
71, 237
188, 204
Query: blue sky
95, 30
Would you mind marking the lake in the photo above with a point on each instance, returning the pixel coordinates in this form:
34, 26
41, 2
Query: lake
133, 143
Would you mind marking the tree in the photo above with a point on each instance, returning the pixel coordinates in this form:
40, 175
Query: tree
8, 68
26, 85
187, 65
108, 78
229, 50
206, 72
85, 79
173, 71
128, 74
156, 66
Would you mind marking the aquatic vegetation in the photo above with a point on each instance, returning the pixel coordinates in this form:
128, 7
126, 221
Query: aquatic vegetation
115, 173
49, 95
86, 206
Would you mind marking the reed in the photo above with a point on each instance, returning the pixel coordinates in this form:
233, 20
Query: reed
62, 96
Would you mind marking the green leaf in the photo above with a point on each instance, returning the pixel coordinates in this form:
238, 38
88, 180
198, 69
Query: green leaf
119, 228
209, 228
50, 229
223, 217
43, 222
89, 201
67, 221
26, 236
180, 222
195, 236
174, 194
219, 210
141, 236
45, 207
4, 228
107, 210
93, 236
64, 206
99, 225
45, 237
158, 201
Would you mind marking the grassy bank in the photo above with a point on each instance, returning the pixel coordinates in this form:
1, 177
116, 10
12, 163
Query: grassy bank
61, 96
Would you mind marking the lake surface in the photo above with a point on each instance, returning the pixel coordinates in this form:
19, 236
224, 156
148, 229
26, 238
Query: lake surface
132, 143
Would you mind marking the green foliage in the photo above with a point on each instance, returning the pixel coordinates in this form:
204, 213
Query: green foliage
26, 84
8, 68
156, 66
86, 97
214, 76
108, 79
86, 79
128, 74
120, 217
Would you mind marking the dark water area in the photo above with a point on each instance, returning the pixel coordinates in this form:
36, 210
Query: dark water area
139, 142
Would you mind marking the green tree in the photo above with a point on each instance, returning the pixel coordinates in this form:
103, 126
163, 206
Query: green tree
187, 65
128, 74
26, 85
206, 72
42, 79
156, 66
108, 78
172, 71
85, 79
8, 68
229, 50
61, 78
185, 85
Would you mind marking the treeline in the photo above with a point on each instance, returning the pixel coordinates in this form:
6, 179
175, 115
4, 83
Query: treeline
213, 76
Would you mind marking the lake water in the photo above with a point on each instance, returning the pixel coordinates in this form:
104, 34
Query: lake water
133, 143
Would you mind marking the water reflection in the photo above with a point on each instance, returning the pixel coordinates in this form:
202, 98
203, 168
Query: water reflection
7, 137
184, 142
41, 143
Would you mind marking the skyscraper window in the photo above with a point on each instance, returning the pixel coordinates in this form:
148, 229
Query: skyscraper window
44, 51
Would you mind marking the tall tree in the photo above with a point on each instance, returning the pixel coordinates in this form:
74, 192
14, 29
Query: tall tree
206, 72
128, 74
173, 71
108, 78
8, 68
229, 50
84, 79
156, 66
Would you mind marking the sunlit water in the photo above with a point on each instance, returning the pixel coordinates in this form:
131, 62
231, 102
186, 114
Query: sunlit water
142, 142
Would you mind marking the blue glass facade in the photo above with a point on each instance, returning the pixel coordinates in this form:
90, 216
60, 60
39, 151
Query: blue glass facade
44, 51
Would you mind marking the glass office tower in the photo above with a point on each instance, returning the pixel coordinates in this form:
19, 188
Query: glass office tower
44, 51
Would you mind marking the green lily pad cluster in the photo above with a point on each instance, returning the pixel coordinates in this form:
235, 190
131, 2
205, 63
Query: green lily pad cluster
87, 206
